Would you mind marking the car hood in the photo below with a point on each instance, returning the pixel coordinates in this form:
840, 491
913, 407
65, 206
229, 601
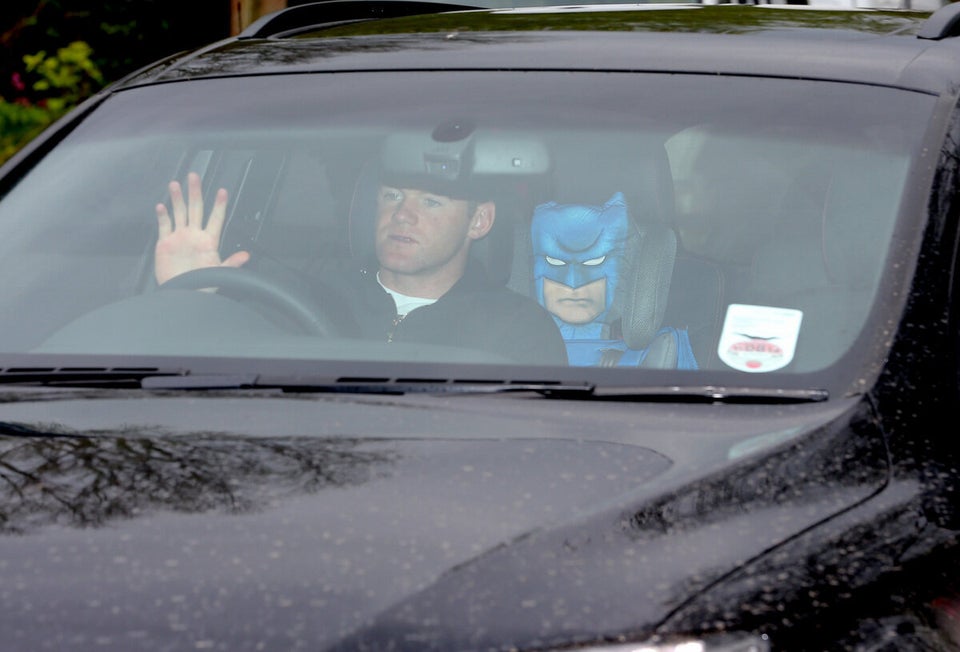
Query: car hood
424, 523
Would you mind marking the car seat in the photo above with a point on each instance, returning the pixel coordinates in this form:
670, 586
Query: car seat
643, 290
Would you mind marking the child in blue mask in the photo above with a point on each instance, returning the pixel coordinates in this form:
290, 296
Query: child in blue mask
579, 258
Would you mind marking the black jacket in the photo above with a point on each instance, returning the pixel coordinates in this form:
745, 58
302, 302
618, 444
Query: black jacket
475, 313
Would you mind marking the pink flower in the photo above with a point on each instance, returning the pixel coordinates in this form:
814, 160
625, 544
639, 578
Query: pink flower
17, 82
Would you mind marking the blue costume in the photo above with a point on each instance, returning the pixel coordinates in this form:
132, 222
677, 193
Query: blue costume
576, 245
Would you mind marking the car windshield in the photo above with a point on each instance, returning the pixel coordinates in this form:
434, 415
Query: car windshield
760, 212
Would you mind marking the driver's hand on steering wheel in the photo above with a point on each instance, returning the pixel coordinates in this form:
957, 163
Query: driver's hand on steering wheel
184, 243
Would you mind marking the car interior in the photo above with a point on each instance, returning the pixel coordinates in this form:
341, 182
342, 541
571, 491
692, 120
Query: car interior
721, 218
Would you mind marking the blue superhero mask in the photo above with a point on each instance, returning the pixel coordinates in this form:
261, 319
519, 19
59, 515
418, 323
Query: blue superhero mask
576, 245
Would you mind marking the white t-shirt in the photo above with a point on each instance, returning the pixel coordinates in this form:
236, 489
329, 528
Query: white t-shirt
405, 304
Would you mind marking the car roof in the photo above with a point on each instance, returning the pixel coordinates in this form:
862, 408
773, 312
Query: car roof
913, 50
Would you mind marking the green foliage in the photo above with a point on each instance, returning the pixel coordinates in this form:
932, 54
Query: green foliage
19, 122
58, 52
58, 82
69, 75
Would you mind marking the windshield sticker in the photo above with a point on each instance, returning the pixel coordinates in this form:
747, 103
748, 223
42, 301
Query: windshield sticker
759, 338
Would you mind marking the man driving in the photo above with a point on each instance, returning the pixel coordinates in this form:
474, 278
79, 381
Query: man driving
425, 287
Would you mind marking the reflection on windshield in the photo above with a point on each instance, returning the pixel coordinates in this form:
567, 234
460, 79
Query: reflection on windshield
652, 232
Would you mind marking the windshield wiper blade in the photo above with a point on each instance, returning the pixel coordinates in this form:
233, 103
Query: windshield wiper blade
363, 385
711, 394
550, 389
178, 378
411, 385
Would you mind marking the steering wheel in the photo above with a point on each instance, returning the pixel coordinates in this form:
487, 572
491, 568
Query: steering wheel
246, 285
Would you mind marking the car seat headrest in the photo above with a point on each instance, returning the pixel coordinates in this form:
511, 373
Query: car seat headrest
642, 297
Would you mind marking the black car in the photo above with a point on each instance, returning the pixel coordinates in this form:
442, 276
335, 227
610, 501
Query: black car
411, 326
